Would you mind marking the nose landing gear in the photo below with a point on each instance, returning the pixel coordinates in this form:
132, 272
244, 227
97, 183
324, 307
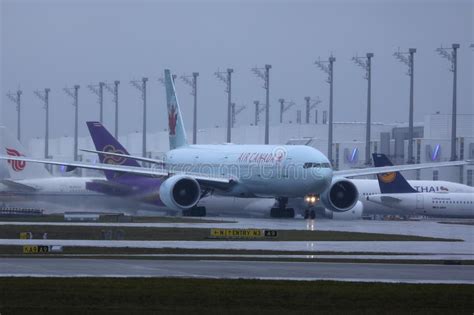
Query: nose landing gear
282, 211
311, 200
310, 214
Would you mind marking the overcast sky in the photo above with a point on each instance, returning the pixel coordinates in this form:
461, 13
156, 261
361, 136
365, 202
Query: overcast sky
61, 43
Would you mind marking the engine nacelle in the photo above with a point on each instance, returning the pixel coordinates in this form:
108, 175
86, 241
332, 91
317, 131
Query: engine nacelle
353, 214
180, 192
341, 196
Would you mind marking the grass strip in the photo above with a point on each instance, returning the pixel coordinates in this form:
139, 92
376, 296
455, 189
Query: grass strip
177, 295
73, 232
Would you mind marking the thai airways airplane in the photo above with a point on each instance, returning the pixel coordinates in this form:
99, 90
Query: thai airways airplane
31, 185
262, 171
398, 194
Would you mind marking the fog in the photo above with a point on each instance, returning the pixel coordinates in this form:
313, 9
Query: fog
57, 44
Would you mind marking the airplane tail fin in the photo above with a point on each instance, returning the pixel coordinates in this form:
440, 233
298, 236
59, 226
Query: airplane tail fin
19, 169
393, 182
177, 134
104, 141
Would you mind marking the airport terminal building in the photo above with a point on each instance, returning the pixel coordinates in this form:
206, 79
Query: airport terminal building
432, 142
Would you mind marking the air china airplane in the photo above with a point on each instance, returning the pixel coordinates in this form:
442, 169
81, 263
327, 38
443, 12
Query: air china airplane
398, 194
31, 185
190, 172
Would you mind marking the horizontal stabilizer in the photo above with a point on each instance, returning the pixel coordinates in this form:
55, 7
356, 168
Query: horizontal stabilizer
109, 187
16, 186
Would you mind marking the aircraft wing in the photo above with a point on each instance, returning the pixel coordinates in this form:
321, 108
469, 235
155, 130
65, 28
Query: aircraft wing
138, 158
205, 179
396, 168
17, 186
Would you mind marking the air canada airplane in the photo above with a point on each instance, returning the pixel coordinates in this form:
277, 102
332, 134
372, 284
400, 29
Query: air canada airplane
190, 172
143, 188
398, 194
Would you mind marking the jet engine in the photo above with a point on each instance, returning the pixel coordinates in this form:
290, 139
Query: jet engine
352, 214
341, 196
180, 192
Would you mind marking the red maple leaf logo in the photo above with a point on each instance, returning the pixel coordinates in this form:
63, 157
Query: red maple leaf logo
172, 117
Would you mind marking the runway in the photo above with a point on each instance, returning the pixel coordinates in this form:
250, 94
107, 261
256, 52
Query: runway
72, 267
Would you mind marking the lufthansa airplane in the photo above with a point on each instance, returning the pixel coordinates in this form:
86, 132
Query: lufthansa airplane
399, 195
190, 172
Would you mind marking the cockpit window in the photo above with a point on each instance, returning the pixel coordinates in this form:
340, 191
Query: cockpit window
316, 165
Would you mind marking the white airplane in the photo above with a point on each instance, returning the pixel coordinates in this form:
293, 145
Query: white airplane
264, 171
31, 185
398, 194
370, 187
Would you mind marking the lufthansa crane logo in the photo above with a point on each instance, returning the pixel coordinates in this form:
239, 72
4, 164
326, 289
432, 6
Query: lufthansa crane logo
387, 177
17, 166
110, 159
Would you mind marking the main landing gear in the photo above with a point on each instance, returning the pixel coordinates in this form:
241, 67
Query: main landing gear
195, 211
282, 211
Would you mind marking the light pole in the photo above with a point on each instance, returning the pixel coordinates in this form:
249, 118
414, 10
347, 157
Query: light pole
193, 85
452, 57
401, 56
114, 92
264, 73
367, 66
44, 96
228, 82
328, 67
16, 98
142, 88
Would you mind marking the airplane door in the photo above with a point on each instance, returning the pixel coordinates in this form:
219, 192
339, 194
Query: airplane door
419, 201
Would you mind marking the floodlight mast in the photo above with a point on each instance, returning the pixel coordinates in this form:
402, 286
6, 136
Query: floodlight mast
452, 56
258, 111
99, 91
193, 84
114, 92
228, 89
74, 94
142, 88
236, 111
311, 104
408, 59
44, 96
16, 98
367, 66
327, 66
264, 74
284, 106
